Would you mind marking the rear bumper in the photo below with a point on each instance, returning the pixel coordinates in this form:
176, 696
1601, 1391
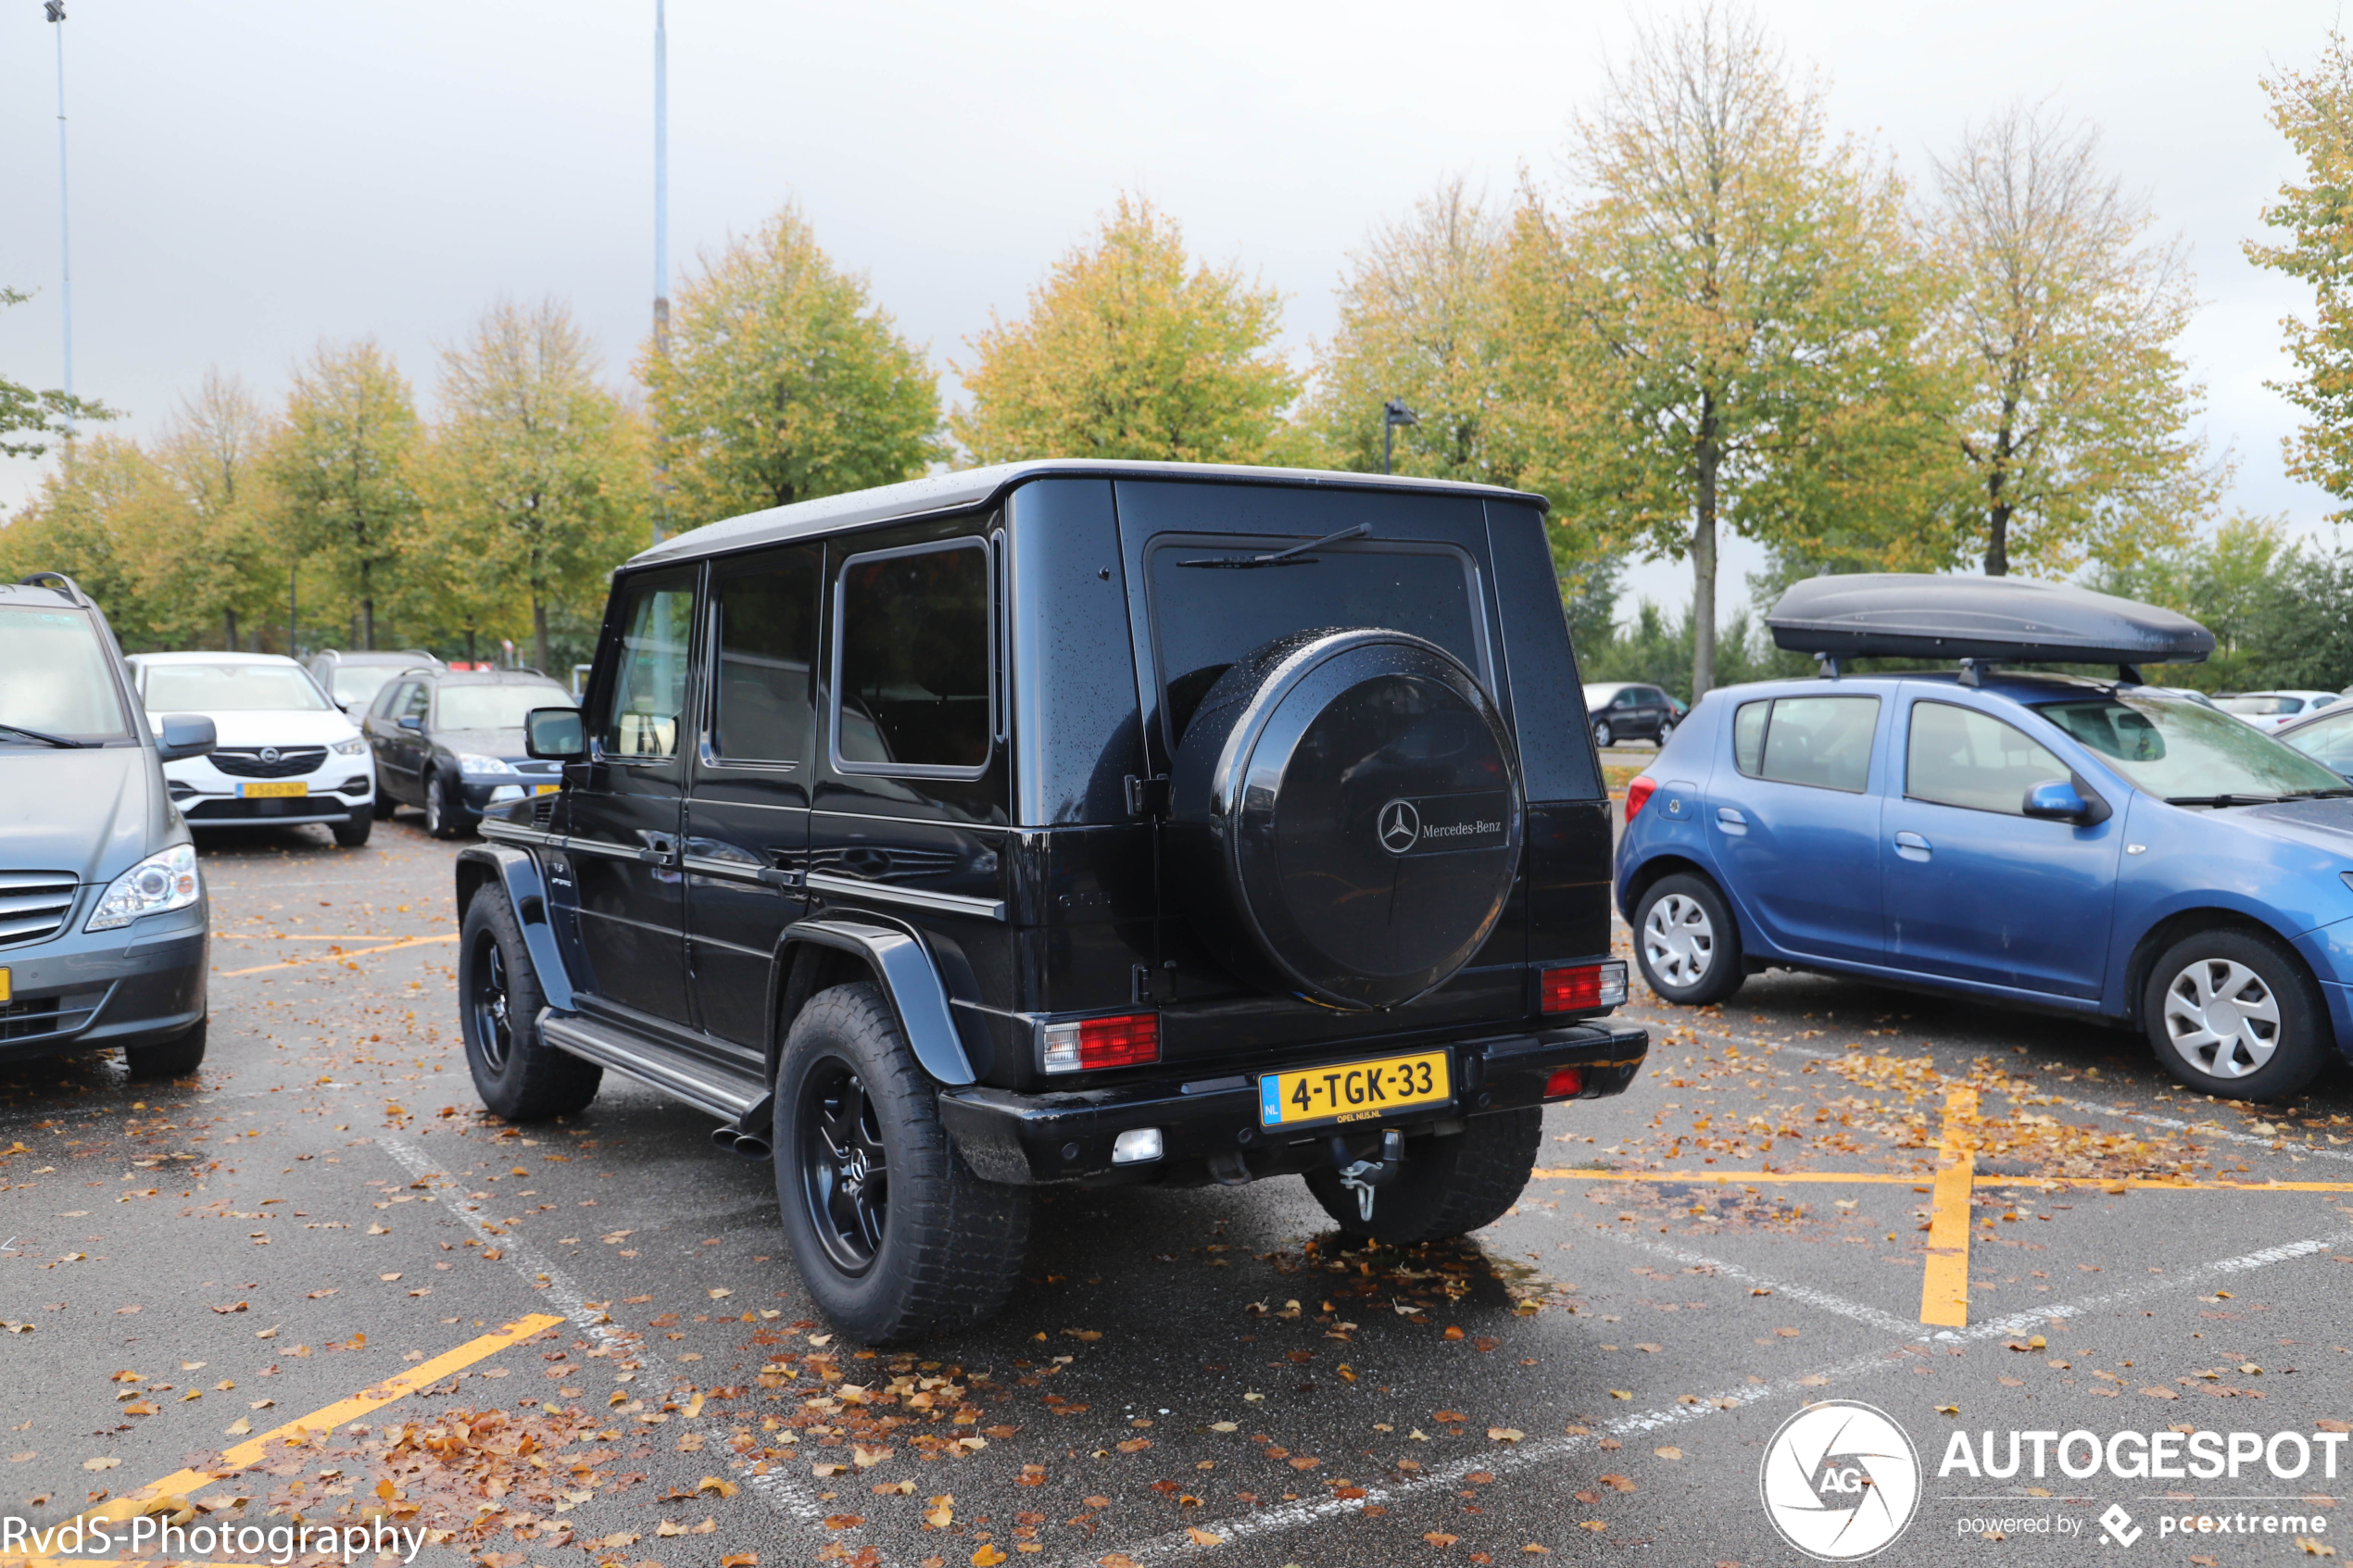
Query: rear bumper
1032, 1139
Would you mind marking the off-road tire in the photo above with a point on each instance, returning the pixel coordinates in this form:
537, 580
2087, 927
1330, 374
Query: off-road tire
951, 1245
353, 832
169, 1059
521, 1078
1449, 1186
2303, 1039
1723, 971
1603, 734
443, 819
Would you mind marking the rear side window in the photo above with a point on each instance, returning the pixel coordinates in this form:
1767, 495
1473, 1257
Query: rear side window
1959, 756
911, 668
767, 635
1210, 610
1824, 742
414, 699
646, 696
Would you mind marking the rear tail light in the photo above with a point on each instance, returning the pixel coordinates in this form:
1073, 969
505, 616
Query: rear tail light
1567, 1083
1586, 987
1637, 793
1129, 1040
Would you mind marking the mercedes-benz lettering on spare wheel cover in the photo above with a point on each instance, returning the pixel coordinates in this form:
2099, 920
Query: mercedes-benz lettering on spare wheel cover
1347, 815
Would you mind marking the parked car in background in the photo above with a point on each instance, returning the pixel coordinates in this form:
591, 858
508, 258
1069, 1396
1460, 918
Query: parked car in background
2269, 711
2080, 846
2325, 736
2187, 693
1624, 711
104, 924
450, 742
287, 754
355, 679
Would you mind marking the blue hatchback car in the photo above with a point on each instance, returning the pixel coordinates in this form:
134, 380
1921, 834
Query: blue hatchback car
2085, 846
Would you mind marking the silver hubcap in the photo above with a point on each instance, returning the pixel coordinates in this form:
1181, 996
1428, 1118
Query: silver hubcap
2221, 1018
1678, 940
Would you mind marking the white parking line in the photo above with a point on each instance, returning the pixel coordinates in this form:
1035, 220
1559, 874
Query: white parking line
781, 1492
1821, 1300
1528, 1455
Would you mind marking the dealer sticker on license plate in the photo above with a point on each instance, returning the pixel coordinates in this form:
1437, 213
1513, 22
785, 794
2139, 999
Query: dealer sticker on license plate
275, 786
1355, 1091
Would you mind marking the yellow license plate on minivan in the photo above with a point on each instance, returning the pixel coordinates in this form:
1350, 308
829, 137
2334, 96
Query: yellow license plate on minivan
273, 787
545, 789
1354, 1091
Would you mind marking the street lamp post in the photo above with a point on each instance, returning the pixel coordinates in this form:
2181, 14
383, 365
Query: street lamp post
1393, 413
661, 244
55, 10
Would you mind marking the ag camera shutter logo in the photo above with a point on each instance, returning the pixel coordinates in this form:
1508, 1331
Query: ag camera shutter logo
1841, 1481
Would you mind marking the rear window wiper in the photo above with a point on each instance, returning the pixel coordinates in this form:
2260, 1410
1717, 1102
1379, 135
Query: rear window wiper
46, 739
1295, 556
2224, 799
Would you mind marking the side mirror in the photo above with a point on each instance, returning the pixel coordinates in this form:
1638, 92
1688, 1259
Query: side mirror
413, 722
184, 735
555, 735
2056, 801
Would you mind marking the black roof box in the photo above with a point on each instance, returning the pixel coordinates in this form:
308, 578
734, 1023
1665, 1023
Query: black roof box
1916, 615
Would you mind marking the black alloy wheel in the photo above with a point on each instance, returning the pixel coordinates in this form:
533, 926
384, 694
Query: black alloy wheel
491, 1002
845, 1174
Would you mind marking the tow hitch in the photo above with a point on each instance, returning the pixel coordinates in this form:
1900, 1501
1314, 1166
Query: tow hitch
1363, 1176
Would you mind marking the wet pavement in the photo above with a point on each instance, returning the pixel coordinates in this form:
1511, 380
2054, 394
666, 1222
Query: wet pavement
323, 1224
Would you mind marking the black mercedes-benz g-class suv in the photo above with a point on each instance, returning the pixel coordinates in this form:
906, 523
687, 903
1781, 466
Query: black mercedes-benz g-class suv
1069, 822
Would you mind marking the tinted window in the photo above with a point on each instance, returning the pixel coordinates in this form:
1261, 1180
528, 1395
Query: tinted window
1821, 740
767, 642
1208, 612
54, 678
912, 670
647, 696
1960, 757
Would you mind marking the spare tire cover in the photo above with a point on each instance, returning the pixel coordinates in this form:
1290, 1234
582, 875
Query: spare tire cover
1345, 817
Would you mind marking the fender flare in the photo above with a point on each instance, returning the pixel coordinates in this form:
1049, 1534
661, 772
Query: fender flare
910, 981
518, 874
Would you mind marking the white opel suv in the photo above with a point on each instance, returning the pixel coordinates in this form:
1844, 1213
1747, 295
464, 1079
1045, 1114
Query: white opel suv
286, 753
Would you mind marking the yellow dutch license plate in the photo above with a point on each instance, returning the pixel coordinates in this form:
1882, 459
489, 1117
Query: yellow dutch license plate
545, 789
273, 787
6, 987
1354, 1091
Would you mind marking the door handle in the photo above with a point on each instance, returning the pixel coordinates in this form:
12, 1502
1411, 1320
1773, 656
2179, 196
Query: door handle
1730, 818
1912, 847
661, 850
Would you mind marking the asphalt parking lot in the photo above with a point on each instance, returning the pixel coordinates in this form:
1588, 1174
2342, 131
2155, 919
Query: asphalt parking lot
315, 1282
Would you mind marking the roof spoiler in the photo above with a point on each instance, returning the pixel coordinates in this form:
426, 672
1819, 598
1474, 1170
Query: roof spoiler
1980, 622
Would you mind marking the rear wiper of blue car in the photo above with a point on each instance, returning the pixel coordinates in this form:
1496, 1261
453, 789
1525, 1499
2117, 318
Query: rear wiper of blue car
46, 739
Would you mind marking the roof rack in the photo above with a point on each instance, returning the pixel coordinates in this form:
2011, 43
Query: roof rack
72, 590
1981, 622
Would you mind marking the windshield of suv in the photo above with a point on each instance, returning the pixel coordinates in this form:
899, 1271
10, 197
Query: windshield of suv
2179, 750
360, 683
1208, 613
54, 679
230, 688
496, 708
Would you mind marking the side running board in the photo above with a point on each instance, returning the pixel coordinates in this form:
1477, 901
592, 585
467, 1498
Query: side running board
724, 1095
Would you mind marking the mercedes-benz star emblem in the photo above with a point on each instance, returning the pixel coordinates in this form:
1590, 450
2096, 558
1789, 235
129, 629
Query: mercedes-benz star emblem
1401, 826
268, 754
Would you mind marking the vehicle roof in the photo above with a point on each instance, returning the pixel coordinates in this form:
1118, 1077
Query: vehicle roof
193, 656
970, 489
34, 597
2286, 691
2024, 687
486, 678
414, 657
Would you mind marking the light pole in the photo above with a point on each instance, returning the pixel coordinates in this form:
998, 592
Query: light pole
55, 10
661, 238
1393, 413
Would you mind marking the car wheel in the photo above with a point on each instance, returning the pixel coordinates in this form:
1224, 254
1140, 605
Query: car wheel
519, 1076
1686, 942
172, 1059
2233, 1014
1450, 1185
1603, 734
894, 1237
353, 832
442, 819
1666, 728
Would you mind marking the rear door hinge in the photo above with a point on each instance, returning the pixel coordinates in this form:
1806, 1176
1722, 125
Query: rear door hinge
1148, 797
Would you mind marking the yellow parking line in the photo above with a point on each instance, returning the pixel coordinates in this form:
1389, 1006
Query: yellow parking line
321, 1422
1923, 1184
1944, 1282
1721, 1178
330, 958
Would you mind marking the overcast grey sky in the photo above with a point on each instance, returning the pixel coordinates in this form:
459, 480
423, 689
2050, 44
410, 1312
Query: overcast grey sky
250, 178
